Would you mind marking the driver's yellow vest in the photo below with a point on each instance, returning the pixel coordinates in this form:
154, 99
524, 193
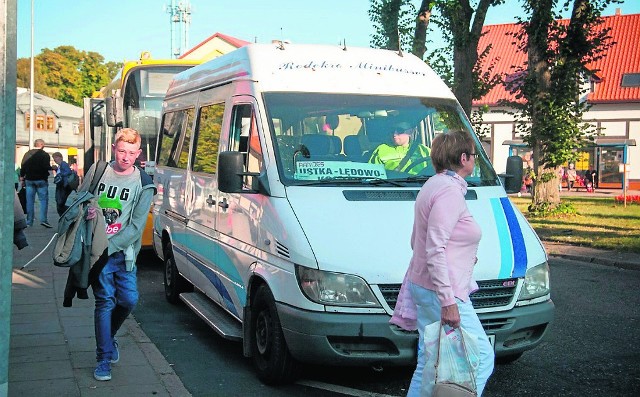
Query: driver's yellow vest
391, 157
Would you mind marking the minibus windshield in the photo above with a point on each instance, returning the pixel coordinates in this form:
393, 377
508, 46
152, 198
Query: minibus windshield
346, 139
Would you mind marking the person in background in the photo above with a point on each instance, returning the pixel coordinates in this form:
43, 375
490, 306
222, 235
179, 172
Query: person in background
60, 180
571, 176
16, 179
445, 241
34, 173
124, 195
401, 156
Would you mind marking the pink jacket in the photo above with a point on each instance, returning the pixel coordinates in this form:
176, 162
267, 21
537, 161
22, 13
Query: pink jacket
445, 239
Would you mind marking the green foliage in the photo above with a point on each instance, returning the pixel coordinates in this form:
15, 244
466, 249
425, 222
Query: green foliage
546, 210
66, 74
551, 87
394, 22
547, 176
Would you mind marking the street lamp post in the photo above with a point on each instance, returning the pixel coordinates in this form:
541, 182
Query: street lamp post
31, 87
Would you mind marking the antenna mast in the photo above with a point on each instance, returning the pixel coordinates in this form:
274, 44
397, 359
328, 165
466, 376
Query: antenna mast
180, 19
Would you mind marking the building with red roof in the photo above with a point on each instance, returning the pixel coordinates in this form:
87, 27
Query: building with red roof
214, 46
614, 95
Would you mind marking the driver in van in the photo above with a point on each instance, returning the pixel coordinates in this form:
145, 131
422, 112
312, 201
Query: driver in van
402, 155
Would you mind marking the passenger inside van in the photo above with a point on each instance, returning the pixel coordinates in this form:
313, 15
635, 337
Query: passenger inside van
402, 155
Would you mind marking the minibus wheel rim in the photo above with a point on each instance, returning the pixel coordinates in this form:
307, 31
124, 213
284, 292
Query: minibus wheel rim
263, 334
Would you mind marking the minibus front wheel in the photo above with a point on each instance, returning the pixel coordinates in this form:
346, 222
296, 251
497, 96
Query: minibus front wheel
271, 357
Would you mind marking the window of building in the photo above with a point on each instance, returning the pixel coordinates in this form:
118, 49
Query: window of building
51, 122
40, 121
27, 120
631, 80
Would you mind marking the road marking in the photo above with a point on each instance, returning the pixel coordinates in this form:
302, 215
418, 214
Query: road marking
341, 389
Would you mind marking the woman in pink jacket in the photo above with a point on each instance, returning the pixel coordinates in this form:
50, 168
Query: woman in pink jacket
445, 242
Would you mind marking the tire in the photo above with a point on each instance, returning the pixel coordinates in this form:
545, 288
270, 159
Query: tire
274, 364
503, 360
174, 283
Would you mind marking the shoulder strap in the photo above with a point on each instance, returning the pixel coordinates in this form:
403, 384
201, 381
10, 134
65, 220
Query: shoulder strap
101, 167
405, 159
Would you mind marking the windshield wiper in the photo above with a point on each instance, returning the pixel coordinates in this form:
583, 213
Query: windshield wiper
350, 180
415, 178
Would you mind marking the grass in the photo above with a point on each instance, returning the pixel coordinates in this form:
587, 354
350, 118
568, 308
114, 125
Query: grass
600, 223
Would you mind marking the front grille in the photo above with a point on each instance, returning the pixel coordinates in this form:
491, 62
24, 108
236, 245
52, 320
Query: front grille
390, 293
492, 293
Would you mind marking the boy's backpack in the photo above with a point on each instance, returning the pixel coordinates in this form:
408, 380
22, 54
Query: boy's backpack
72, 181
73, 239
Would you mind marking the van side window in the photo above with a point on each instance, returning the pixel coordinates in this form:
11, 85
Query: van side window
183, 157
175, 126
207, 138
244, 138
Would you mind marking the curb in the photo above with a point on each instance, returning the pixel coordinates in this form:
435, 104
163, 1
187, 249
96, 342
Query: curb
598, 261
158, 362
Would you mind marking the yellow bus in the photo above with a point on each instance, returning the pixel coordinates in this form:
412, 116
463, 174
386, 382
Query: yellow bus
132, 99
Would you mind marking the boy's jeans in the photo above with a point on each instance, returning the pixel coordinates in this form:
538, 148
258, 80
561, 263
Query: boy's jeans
116, 295
429, 310
41, 187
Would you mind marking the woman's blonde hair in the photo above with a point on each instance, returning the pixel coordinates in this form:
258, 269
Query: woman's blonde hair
128, 135
448, 147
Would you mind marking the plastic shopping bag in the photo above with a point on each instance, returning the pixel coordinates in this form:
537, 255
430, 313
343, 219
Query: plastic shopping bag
452, 366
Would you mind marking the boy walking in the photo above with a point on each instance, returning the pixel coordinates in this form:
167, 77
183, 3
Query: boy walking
124, 195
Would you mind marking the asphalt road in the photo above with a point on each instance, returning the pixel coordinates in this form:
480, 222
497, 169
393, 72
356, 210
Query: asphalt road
592, 348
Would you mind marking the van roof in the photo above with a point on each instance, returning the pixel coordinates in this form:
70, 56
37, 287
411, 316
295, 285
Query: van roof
316, 68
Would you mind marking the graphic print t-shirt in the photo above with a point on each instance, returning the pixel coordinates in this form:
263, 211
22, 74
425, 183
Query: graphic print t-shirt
116, 197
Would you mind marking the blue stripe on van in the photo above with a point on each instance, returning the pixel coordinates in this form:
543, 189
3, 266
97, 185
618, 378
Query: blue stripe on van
217, 283
506, 252
517, 239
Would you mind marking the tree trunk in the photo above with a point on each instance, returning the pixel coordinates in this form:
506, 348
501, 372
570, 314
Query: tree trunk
390, 17
422, 23
546, 192
466, 35
539, 71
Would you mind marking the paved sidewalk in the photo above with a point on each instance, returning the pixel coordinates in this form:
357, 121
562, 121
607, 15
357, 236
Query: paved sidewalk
52, 350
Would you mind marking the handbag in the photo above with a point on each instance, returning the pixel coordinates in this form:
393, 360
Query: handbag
451, 389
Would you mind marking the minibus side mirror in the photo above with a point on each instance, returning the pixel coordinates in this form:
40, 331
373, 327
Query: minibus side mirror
114, 111
96, 119
513, 175
231, 175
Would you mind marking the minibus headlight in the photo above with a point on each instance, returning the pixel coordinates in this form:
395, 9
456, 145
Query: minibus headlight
536, 282
338, 289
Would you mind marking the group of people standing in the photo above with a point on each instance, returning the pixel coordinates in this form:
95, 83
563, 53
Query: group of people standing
34, 177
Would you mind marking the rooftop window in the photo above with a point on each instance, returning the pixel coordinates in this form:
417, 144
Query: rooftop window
631, 80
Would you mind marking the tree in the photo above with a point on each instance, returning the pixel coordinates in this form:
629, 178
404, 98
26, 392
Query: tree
551, 85
393, 20
66, 74
461, 25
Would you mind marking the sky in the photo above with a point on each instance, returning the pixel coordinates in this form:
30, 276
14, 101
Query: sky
121, 29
